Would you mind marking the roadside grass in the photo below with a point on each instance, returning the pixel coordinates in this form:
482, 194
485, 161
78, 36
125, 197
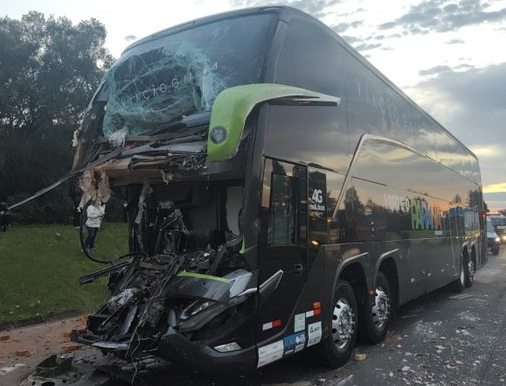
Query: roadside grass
40, 266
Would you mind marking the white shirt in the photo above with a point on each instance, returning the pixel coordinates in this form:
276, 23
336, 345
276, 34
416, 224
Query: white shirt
95, 215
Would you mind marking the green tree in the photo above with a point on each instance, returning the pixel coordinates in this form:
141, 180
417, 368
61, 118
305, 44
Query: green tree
49, 70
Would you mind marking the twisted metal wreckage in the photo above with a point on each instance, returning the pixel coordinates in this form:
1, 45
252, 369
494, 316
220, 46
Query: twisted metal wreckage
185, 269
186, 286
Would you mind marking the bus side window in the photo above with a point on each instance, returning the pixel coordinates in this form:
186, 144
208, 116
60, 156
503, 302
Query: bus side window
283, 204
281, 213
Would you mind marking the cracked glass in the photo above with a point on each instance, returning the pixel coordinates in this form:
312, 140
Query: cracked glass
164, 78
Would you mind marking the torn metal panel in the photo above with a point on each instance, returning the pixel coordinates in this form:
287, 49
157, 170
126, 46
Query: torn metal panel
191, 275
201, 286
95, 185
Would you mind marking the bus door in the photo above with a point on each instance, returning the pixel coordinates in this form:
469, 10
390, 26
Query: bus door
282, 244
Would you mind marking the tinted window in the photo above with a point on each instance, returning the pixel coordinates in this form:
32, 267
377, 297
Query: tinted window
311, 59
309, 134
284, 203
396, 166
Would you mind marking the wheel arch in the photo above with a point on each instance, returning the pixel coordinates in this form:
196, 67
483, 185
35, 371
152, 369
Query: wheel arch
352, 271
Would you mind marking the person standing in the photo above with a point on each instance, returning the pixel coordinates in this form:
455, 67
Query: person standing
4, 216
94, 213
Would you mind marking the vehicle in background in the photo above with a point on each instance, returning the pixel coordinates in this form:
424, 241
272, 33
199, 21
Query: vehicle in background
499, 223
493, 240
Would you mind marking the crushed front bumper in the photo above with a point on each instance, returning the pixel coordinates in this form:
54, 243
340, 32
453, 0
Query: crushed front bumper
176, 348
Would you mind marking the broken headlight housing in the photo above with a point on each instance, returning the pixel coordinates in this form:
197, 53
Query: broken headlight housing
196, 307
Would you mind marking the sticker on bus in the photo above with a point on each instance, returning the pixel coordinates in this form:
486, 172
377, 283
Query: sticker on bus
270, 353
299, 322
294, 343
314, 333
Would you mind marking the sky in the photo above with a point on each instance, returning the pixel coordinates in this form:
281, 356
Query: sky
449, 56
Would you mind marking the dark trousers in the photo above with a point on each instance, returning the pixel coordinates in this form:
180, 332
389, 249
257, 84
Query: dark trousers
77, 216
90, 239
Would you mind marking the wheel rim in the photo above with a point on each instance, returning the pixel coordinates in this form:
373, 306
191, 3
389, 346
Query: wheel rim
381, 308
470, 267
343, 323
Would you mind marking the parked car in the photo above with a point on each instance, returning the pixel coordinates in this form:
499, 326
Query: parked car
493, 240
499, 224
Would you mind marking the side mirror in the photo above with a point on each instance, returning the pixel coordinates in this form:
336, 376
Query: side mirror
267, 287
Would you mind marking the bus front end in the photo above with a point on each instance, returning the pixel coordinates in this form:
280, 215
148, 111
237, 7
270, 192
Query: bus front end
188, 287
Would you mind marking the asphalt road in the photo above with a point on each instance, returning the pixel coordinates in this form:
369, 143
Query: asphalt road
441, 339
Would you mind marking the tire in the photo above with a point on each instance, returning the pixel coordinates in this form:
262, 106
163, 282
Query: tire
469, 269
495, 251
341, 326
460, 284
377, 316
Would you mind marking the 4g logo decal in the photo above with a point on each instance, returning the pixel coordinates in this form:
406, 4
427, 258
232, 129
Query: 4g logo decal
317, 201
317, 196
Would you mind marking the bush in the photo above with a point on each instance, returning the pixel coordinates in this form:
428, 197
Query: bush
54, 207
57, 207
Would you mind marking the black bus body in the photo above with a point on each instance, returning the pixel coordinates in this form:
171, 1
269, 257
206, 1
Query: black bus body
281, 194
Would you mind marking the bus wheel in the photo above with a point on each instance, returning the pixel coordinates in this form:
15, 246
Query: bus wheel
460, 284
378, 315
469, 269
338, 345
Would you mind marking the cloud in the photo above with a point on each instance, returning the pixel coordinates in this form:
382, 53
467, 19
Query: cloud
455, 41
471, 105
495, 201
478, 95
343, 27
488, 151
316, 8
499, 189
351, 39
365, 47
444, 16
434, 70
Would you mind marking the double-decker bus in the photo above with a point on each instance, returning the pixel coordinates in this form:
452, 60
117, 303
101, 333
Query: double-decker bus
281, 194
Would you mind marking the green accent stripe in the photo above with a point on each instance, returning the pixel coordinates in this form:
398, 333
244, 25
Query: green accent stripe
233, 105
201, 276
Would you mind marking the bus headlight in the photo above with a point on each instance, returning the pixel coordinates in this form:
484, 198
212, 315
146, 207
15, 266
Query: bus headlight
196, 307
218, 134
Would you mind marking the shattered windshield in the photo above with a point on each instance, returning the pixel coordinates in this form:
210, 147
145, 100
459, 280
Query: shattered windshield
179, 74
